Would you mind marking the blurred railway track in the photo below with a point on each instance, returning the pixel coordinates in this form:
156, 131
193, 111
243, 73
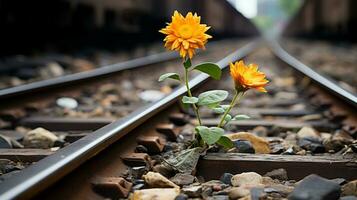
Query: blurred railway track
298, 98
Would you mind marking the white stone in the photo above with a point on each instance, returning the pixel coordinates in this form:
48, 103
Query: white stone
247, 178
67, 102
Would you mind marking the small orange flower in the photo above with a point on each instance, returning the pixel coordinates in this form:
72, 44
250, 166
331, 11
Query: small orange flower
185, 34
246, 77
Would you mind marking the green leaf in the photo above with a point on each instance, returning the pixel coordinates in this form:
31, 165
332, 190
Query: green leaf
187, 64
174, 76
211, 69
227, 118
189, 100
240, 117
218, 110
212, 97
210, 135
225, 107
225, 142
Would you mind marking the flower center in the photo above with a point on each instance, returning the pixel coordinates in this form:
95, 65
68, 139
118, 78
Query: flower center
186, 31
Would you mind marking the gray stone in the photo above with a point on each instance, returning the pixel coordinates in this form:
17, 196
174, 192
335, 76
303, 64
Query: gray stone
182, 179
192, 191
138, 187
311, 144
181, 197
226, 178
243, 146
314, 187
279, 174
218, 197
138, 172
5, 143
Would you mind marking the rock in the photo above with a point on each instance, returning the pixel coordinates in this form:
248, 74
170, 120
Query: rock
163, 170
247, 178
260, 131
218, 197
338, 141
206, 192
182, 179
314, 187
257, 194
226, 178
243, 146
238, 192
311, 144
308, 132
339, 181
66, 102
279, 174
348, 198
138, 187
5, 143
156, 193
260, 145
157, 180
350, 188
283, 189
39, 138
7, 166
52, 69
138, 172
181, 197
277, 148
151, 95
192, 191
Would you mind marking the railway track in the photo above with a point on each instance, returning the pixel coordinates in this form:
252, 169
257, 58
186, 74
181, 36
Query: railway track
298, 99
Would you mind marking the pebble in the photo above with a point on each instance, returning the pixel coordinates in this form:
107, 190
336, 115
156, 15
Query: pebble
156, 193
311, 144
238, 192
279, 174
260, 131
192, 191
39, 138
247, 178
5, 143
138, 172
226, 178
154, 179
314, 187
7, 166
67, 102
163, 169
218, 197
243, 146
151, 95
181, 197
52, 69
261, 146
138, 187
350, 188
182, 179
308, 132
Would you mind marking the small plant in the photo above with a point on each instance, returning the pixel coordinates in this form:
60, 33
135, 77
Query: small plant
187, 34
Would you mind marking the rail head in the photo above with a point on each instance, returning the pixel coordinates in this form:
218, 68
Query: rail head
37, 177
321, 80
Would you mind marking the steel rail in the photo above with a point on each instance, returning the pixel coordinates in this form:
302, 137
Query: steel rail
321, 80
35, 178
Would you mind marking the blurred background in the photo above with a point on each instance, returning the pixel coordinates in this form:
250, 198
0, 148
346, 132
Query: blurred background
42, 39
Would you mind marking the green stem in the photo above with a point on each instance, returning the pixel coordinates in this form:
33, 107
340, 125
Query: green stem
233, 102
195, 108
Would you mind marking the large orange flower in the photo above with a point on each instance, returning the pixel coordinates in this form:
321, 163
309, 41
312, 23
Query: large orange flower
246, 77
185, 34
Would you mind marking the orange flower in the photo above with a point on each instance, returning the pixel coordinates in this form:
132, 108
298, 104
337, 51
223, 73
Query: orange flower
185, 34
246, 77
